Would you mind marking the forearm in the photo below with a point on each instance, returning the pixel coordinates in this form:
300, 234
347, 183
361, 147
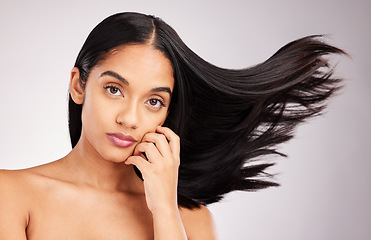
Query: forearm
168, 225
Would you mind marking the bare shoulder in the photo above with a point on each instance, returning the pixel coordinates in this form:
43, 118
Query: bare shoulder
16, 187
198, 223
24, 178
19, 191
25, 182
14, 205
12, 183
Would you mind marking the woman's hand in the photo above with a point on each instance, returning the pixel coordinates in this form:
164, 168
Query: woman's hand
160, 172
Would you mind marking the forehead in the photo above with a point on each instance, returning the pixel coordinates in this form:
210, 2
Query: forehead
139, 65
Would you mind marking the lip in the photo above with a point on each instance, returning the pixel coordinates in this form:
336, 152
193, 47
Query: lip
121, 140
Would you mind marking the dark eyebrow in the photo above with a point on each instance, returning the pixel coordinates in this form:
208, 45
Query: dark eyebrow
119, 77
115, 75
162, 89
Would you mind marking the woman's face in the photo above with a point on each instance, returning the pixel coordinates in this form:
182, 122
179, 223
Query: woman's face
126, 95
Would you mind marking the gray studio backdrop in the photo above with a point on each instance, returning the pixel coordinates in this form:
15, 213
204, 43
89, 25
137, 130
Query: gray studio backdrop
325, 192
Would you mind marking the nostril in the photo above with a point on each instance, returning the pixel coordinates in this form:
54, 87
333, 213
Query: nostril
127, 124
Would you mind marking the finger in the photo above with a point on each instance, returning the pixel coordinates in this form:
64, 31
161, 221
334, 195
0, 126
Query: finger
174, 140
160, 141
149, 149
139, 162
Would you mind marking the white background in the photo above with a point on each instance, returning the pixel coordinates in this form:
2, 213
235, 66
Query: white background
325, 192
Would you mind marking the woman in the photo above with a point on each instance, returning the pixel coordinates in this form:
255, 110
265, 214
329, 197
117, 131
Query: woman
193, 132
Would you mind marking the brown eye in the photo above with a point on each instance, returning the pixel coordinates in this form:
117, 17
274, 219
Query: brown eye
153, 102
113, 90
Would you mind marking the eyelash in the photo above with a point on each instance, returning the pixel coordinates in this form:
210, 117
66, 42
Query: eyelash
110, 87
162, 104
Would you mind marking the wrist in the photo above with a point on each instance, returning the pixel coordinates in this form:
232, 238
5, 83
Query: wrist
165, 211
168, 224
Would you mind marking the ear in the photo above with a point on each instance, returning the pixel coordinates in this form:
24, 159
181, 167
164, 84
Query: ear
76, 91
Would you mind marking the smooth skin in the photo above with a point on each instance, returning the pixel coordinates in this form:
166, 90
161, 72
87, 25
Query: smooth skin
93, 192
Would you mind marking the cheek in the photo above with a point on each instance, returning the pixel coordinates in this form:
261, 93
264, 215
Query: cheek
151, 121
95, 113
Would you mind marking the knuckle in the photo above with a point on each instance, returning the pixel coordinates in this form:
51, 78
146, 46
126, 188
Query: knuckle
177, 161
162, 137
146, 145
166, 164
137, 159
140, 145
173, 163
177, 164
170, 164
159, 169
166, 128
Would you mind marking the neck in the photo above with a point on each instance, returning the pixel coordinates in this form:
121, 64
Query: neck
90, 168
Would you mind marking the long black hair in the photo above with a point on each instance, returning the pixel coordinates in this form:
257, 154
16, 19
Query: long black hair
227, 119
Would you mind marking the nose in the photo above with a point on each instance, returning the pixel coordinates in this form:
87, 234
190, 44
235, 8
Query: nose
129, 115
